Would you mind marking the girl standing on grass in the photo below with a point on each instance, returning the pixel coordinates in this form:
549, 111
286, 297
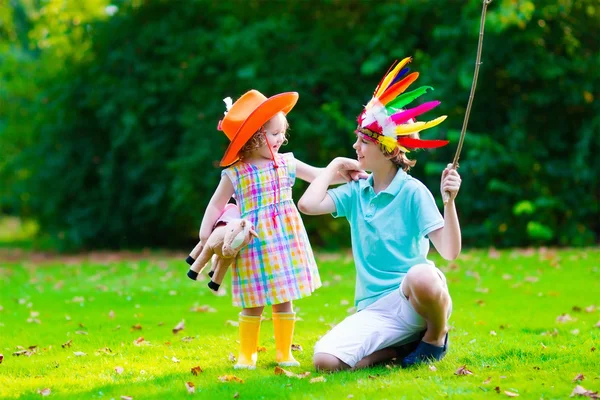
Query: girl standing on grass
401, 297
279, 266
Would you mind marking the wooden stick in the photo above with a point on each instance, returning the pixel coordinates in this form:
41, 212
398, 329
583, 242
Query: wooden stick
472, 95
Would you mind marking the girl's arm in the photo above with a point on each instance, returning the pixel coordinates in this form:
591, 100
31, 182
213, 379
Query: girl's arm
215, 207
308, 173
447, 240
316, 201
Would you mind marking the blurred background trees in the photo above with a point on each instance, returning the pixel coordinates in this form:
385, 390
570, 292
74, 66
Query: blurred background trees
108, 110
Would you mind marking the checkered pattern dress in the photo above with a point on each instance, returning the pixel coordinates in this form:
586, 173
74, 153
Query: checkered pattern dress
279, 266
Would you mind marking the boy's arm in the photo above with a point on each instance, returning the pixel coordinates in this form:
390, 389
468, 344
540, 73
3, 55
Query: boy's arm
447, 240
215, 207
316, 201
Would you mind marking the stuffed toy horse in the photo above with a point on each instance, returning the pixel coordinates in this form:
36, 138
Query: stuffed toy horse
222, 246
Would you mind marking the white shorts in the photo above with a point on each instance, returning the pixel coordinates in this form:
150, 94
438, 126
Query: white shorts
390, 321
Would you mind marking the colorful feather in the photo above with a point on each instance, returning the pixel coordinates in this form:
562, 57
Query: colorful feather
404, 116
406, 98
390, 77
421, 144
409, 129
398, 88
400, 75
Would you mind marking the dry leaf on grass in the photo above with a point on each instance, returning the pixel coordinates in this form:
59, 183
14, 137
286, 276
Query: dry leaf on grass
174, 359
44, 392
232, 357
565, 318
289, 374
136, 327
203, 308
141, 342
105, 350
590, 309
261, 349
187, 338
126, 398
579, 377
81, 332
488, 380
511, 394
318, 379
493, 333
230, 378
463, 371
179, 327
196, 370
581, 391
1, 358
191, 388
432, 367
79, 353
67, 343
296, 347
119, 370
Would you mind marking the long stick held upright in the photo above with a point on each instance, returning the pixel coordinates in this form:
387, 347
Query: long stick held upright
472, 95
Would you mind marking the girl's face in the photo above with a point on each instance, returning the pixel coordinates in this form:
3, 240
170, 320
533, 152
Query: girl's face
275, 133
369, 155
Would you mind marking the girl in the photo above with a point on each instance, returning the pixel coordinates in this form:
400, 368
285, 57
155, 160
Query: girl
400, 296
279, 267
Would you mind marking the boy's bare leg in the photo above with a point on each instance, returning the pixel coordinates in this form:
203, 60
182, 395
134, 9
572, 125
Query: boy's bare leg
429, 296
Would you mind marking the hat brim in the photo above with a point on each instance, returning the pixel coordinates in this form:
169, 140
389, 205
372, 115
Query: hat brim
283, 102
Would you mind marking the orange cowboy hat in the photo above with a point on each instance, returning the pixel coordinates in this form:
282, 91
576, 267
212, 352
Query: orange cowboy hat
245, 117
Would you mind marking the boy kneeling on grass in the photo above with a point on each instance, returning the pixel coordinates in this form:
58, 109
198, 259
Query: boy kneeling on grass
402, 299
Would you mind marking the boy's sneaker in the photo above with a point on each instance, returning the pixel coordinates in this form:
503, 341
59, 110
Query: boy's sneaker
425, 352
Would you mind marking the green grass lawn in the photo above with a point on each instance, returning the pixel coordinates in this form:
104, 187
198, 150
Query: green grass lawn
524, 322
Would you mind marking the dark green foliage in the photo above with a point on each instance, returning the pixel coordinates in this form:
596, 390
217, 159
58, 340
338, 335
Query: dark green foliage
124, 149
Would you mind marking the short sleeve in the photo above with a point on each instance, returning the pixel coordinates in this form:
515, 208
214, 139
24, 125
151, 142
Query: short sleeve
230, 173
426, 212
342, 197
290, 162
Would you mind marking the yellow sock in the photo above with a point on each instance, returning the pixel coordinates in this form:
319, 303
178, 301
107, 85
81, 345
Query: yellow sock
249, 330
283, 325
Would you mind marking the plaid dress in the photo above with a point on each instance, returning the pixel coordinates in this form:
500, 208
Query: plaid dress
279, 266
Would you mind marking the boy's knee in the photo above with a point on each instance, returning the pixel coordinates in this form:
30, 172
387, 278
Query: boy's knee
424, 284
328, 363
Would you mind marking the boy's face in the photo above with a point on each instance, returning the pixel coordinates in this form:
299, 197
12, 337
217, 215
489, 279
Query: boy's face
368, 153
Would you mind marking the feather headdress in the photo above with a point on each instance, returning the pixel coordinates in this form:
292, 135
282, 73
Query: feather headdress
384, 120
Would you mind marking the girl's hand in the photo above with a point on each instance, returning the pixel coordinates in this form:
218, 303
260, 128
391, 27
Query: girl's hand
450, 182
349, 169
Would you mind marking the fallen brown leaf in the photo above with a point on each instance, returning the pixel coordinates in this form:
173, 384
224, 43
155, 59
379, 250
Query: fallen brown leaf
119, 370
141, 342
232, 357
463, 371
564, 318
187, 338
511, 394
1, 358
236, 395
67, 344
179, 327
81, 332
590, 309
44, 392
191, 388
488, 380
230, 378
105, 350
126, 398
197, 370
581, 391
497, 389
296, 347
432, 367
579, 377
261, 349
576, 309
136, 327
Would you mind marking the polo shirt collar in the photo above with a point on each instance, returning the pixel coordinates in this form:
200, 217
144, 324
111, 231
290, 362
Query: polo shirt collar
394, 186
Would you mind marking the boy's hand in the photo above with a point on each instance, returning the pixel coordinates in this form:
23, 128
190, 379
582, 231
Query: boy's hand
450, 182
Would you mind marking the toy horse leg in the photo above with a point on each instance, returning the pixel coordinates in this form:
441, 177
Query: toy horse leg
221, 267
200, 263
194, 254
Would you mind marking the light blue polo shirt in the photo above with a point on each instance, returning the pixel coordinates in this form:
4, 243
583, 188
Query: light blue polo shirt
388, 231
